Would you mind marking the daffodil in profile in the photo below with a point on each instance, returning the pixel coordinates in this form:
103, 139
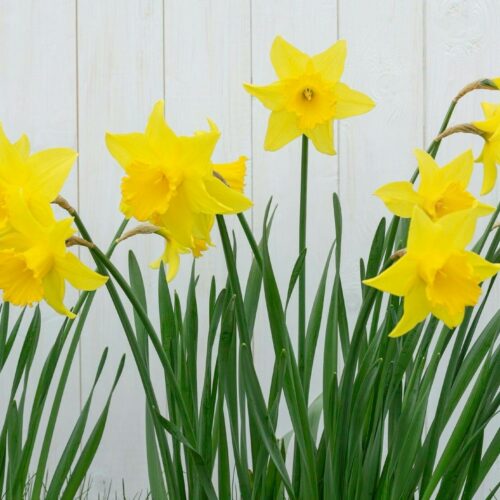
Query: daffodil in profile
34, 260
38, 177
437, 274
231, 174
308, 96
441, 190
169, 179
490, 155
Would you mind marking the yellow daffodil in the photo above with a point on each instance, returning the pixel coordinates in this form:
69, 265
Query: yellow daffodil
308, 96
441, 191
232, 174
38, 177
436, 275
35, 263
169, 179
490, 155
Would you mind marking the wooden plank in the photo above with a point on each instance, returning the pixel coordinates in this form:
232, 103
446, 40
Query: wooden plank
312, 27
120, 76
38, 97
461, 46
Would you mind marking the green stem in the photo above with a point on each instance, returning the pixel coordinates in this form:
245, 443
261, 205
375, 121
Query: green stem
85, 299
434, 146
102, 260
302, 246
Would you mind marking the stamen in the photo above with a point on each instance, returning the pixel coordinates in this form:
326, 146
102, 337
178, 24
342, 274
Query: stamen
308, 93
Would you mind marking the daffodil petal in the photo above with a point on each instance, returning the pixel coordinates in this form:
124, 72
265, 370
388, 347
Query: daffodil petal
287, 60
427, 168
23, 147
234, 201
330, 63
272, 96
78, 274
19, 284
399, 197
423, 233
483, 269
233, 173
459, 227
128, 149
178, 219
490, 169
459, 169
50, 168
159, 134
397, 279
282, 128
322, 137
53, 287
489, 109
350, 102
415, 309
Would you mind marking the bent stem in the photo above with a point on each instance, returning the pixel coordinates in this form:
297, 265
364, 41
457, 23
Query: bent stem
302, 246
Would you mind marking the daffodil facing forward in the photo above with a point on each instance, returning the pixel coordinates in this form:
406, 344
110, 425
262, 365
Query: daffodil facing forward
170, 179
436, 275
490, 155
308, 96
441, 190
37, 177
35, 263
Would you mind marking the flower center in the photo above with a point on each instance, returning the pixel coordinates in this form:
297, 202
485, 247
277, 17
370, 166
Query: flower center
308, 93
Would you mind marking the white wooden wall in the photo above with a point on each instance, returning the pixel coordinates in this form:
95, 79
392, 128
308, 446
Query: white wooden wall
72, 69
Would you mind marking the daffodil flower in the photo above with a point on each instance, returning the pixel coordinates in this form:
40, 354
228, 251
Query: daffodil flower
233, 175
441, 190
169, 179
436, 275
38, 177
34, 260
308, 96
490, 155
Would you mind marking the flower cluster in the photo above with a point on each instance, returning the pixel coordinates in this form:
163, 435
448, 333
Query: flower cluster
34, 260
437, 274
171, 182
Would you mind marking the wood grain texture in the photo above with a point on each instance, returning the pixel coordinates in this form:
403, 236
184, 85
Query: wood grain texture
72, 69
461, 43
120, 76
38, 98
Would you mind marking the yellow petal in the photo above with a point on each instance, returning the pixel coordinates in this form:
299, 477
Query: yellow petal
459, 228
196, 151
322, 137
178, 219
287, 60
415, 309
350, 102
171, 257
423, 233
53, 286
490, 169
131, 148
9, 154
459, 169
482, 268
50, 169
18, 282
399, 197
161, 137
428, 170
233, 173
23, 147
330, 63
397, 279
272, 96
282, 128
489, 109
234, 201
78, 274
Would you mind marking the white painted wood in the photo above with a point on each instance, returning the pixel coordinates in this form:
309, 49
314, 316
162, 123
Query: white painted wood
38, 97
120, 76
70, 70
460, 47
277, 174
